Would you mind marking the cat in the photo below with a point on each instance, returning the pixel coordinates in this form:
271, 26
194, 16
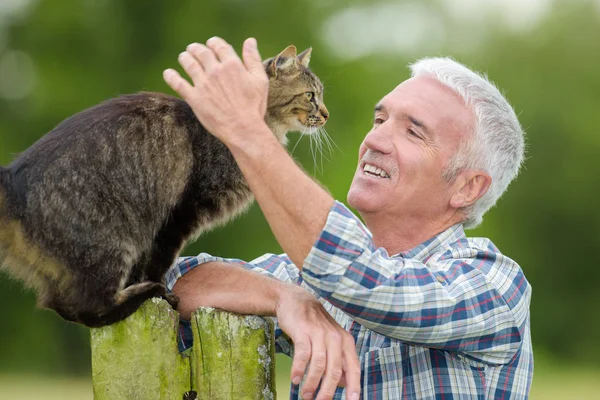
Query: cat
94, 213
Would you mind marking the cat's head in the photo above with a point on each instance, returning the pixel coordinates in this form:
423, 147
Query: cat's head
295, 94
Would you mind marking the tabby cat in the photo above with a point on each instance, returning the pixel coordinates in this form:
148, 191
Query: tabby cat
94, 213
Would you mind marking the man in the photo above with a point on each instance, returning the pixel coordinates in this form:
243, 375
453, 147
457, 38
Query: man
409, 308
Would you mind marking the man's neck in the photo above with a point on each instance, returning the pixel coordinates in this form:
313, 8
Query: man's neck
397, 234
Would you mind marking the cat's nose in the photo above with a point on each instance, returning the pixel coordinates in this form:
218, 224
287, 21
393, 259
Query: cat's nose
325, 114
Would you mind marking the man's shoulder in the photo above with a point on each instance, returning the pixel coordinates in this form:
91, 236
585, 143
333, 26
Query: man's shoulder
468, 247
481, 256
481, 252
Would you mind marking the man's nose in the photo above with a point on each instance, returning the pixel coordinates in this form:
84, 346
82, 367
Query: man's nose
378, 140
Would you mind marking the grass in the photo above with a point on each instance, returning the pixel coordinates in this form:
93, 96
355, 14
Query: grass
555, 381
22, 387
552, 381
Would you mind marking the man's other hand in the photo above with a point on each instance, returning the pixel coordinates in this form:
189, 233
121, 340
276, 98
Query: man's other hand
320, 344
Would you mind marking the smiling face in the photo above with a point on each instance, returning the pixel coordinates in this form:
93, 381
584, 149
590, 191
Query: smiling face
417, 129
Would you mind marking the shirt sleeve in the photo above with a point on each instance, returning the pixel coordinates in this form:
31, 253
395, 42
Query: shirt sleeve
275, 266
469, 300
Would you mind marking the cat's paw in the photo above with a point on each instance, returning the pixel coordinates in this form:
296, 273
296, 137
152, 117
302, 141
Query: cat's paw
171, 299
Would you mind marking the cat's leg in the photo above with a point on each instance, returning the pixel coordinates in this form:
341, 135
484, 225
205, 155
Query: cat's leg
108, 295
160, 261
127, 301
151, 269
138, 272
134, 290
183, 223
144, 281
168, 243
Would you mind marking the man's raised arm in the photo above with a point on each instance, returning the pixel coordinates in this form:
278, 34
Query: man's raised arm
229, 98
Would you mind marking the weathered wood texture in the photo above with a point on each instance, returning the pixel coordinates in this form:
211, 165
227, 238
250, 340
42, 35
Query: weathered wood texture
232, 357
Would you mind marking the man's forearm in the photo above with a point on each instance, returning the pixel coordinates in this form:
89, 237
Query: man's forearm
295, 206
229, 287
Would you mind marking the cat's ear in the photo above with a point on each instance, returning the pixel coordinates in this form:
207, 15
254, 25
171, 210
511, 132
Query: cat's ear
284, 60
304, 57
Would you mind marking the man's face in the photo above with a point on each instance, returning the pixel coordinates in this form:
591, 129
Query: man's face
417, 129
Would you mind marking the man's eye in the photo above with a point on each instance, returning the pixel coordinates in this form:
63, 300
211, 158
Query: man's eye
378, 121
413, 133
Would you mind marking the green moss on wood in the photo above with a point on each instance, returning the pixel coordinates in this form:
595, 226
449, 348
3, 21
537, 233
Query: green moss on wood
233, 356
138, 358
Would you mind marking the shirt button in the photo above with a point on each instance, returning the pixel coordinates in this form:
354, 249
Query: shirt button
440, 279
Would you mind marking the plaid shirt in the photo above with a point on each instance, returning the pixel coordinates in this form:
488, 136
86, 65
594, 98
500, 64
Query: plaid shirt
448, 319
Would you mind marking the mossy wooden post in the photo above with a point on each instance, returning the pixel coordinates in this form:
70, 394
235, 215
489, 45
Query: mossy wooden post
138, 359
232, 357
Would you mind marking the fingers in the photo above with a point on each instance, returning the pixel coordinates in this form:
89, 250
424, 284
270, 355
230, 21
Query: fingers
333, 372
199, 59
191, 67
221, 49
316, 368
204, 56
302, 352
178, 84
351, 368
252, 59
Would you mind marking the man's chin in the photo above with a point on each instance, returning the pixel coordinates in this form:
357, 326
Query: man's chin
361, 200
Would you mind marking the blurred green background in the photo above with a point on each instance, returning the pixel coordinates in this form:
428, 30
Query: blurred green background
60, 57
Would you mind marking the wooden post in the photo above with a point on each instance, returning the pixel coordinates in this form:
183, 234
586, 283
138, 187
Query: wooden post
232, 357
138, 359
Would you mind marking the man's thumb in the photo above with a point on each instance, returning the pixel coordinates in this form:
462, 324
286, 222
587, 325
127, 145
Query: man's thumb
252, 59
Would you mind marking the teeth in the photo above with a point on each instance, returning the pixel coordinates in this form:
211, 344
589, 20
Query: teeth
375, 170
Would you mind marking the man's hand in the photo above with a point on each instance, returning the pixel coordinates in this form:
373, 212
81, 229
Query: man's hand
228, 97
319, 343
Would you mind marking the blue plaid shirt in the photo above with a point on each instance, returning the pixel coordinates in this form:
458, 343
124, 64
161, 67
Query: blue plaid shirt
448, 319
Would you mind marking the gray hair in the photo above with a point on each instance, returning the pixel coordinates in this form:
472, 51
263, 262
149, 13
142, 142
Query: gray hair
497, 144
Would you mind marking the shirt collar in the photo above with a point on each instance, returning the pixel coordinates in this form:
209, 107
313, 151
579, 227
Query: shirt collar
425, 250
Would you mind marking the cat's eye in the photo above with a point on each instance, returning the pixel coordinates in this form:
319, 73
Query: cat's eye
310, 95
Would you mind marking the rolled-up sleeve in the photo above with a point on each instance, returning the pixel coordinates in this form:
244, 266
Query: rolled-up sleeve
470, 300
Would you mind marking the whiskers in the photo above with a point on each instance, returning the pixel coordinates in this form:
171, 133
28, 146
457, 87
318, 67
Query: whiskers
321, 146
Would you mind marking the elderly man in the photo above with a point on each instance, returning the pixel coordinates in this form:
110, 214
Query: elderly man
406, 307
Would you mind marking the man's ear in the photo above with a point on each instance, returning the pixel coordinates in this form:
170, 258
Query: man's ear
470, 186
